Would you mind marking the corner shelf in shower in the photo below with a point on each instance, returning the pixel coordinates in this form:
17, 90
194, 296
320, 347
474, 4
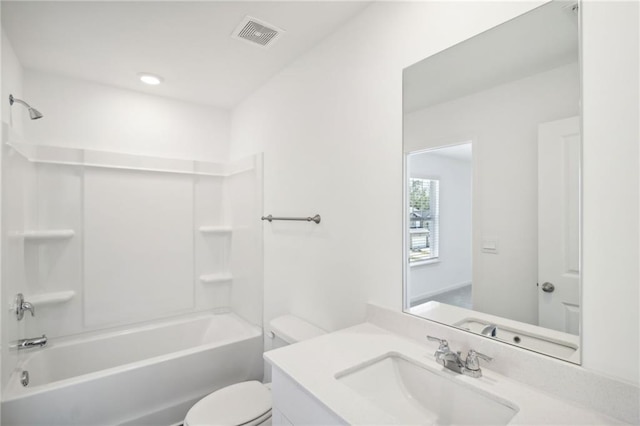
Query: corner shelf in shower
216, 278
215, 229
48, 235
53, 298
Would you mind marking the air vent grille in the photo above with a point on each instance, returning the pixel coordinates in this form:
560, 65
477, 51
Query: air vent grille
257, 32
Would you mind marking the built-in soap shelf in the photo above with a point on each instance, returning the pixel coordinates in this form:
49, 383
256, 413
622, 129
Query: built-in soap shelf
48, 234
53, 298
216, 278
215, 230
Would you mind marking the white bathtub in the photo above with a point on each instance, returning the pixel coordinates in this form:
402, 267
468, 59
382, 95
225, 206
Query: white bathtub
150, 375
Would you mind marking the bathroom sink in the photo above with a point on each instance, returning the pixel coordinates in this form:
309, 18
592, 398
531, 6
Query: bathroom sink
533, 341
416, 394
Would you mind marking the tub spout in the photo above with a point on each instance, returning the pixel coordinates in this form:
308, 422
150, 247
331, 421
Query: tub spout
32, 343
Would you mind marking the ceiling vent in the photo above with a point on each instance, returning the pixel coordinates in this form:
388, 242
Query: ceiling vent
257, 32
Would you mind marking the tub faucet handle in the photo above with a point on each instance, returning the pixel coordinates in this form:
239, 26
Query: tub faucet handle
22, 306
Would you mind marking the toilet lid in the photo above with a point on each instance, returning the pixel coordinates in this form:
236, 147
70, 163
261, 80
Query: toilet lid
233, 405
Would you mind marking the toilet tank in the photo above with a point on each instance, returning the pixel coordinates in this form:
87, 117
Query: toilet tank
289, 329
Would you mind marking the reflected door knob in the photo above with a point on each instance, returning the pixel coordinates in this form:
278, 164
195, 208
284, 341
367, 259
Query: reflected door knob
548, 287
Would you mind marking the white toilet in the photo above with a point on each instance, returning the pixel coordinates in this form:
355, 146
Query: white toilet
249, 403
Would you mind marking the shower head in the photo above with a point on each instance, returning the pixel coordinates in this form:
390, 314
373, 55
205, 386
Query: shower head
33, 113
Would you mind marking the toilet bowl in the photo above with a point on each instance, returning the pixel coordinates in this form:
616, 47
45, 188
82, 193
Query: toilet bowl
245, 403
249, 403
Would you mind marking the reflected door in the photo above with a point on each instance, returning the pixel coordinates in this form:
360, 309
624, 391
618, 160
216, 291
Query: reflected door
559, 225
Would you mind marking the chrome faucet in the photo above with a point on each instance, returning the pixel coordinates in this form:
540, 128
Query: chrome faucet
454, 362
22, 307
32, 343
490, 330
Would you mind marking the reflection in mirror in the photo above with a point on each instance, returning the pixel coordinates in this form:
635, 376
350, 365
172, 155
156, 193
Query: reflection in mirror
440, 203
492, 181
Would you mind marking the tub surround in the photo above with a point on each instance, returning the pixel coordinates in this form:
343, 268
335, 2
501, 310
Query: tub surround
153, 374
545, 390
87, 227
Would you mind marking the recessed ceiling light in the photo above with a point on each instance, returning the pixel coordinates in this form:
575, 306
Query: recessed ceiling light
150, 79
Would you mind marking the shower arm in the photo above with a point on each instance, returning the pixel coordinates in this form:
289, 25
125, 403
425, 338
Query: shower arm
33, 113
20, 101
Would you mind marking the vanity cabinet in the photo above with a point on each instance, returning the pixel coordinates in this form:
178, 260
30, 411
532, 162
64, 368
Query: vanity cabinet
293, 405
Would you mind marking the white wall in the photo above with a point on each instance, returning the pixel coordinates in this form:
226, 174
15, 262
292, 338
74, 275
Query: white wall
12, 82
503, 121
330, 125
611, 280
453, 268
83, 114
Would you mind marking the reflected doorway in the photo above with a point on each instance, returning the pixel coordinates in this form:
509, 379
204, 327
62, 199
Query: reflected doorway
439, 235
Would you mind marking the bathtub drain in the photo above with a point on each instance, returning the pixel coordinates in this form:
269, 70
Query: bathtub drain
24, 378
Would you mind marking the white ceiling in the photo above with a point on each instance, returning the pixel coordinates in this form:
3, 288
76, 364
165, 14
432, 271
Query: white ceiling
187, 43
540, 40
461, 152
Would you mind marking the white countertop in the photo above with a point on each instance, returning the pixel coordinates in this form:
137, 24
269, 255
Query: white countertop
314, 363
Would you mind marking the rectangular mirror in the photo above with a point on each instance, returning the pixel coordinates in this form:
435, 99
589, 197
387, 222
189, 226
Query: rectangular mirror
492, 157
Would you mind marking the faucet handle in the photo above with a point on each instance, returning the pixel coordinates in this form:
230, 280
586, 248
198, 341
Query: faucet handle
21, 306
473, 363
26, 306
443, 343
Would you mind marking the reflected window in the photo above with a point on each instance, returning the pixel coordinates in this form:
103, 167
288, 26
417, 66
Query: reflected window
423, 219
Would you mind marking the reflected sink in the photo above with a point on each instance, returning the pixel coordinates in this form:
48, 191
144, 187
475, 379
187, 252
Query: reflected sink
532, 341
416, 394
